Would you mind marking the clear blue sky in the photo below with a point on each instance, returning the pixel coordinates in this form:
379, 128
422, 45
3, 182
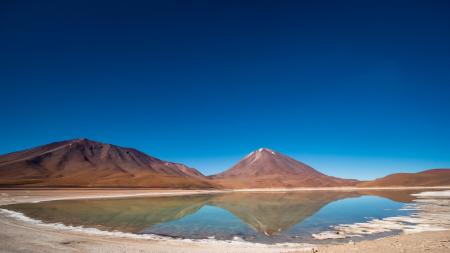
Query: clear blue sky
356, 89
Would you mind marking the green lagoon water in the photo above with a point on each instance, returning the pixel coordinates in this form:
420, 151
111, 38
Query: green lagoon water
255, 217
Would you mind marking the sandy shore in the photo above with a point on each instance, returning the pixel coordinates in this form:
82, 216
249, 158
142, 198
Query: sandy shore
21, 236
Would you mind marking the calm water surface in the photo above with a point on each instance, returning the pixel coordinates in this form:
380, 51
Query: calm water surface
255, 217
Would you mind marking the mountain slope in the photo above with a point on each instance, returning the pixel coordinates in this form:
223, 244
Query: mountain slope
265, 168
435, 177
87, 163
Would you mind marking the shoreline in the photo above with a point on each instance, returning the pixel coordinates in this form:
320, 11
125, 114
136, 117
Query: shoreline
50, 194
91, 241
224, 189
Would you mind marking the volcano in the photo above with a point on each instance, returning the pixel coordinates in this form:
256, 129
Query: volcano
86, 163
265, 168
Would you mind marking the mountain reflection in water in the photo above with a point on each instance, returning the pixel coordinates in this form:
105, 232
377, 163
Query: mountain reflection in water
252, 214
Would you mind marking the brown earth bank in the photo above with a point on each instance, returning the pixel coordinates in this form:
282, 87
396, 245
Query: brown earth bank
431, 242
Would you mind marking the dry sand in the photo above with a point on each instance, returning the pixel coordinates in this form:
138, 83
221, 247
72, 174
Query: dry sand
21, 236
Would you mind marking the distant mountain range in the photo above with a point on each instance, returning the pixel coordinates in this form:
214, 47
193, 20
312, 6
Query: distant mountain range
86, 163
434, 177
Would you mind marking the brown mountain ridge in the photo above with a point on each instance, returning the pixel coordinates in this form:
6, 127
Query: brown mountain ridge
434, 177
86, 163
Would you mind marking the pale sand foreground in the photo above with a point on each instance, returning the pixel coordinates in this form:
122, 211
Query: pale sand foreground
20, 236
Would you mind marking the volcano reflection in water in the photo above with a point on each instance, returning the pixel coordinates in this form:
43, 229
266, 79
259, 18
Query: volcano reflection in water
253, 216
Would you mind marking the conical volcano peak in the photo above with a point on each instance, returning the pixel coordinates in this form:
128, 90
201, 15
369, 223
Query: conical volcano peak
266, 150
260, 151
267, 168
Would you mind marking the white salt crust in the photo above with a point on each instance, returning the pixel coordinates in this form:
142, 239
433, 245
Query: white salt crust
430, 212
236, 242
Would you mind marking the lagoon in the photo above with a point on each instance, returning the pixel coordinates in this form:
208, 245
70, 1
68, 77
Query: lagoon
263, 217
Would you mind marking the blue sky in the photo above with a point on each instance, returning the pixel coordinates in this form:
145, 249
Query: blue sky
356, 89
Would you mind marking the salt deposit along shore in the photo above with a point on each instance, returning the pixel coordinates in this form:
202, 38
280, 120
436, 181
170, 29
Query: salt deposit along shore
431, 212
17, 234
